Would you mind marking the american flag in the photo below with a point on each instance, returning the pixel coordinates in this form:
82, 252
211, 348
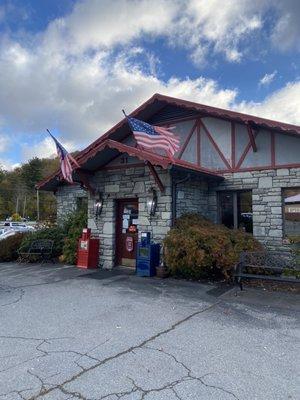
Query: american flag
150, 137
65, 160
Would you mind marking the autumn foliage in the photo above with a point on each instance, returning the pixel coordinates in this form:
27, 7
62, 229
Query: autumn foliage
197, 248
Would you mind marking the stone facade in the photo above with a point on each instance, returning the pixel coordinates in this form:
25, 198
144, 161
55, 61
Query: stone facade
128, 183
194, 195
66, 199
267, 201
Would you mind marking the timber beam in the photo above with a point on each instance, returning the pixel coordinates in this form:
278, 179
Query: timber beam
155, 176
252, 138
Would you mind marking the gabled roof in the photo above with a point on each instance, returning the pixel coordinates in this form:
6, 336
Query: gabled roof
156, 103
108, 149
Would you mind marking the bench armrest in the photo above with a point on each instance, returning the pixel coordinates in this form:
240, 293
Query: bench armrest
238, 268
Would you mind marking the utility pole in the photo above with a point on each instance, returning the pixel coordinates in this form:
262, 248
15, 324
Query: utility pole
17, 205
24, 206
38, 205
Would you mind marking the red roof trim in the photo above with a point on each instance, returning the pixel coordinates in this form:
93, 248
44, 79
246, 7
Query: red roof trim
94, 147
228, 114
211, 111
142, 155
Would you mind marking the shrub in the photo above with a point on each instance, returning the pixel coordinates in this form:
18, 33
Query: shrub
197, 248
56, 234
73, 227
9, 247
65, 237
295, 248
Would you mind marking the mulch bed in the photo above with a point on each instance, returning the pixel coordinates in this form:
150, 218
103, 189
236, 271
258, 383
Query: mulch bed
273, 286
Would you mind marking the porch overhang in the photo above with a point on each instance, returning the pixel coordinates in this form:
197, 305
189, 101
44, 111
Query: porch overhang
95, 160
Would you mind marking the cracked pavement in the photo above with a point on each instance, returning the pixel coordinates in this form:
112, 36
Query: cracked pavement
65, 335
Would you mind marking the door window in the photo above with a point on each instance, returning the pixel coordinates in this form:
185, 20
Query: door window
130, 218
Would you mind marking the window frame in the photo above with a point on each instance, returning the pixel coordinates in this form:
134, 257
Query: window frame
284, 234
234, 194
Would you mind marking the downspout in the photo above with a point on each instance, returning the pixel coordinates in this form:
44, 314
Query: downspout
174, 195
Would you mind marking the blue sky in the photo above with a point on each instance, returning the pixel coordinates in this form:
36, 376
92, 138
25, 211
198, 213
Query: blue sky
71, 66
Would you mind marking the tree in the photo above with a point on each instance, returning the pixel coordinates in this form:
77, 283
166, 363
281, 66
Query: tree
18, 193
2, 173
31, 172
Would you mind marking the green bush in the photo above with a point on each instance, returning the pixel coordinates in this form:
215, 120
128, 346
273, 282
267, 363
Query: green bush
9, 247
65, 237
197, 248
56, 234
295, 248
73, 227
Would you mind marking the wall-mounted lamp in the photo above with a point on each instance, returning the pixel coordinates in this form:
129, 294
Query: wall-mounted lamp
151, 201
98, 204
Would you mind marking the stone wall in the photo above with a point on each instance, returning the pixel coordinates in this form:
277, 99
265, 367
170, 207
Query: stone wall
129, 183
267, 200
66, 199
192, 196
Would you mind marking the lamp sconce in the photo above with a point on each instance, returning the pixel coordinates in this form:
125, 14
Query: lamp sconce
151, 201
98, 204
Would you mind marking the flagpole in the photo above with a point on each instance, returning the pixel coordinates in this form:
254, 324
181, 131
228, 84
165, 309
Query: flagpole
38, 204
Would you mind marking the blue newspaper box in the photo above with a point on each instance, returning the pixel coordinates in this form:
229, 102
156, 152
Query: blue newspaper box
147, 256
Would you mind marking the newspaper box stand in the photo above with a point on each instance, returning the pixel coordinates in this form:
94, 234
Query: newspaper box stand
147, 256
88, 250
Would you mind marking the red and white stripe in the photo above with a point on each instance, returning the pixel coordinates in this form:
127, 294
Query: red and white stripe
165, 140
66, 169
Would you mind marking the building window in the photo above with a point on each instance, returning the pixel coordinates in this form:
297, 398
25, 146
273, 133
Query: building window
235, 210
291, 206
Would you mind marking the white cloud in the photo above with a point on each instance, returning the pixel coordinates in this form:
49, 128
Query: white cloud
4, 143
286, 33
282, 105
221, 26
46, 148
95, 23
8, 165
73, 77
267, 79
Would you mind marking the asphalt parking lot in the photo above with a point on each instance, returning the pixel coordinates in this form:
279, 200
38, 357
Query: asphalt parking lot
66, 335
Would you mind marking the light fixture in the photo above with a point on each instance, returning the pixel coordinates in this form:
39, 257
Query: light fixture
151, 201
98, 204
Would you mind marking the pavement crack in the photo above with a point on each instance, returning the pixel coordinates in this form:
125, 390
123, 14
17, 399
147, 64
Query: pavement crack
127, 351
189, 372
9, 289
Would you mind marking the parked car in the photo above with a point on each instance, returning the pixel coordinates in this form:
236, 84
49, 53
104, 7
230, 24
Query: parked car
5, 233
18, 226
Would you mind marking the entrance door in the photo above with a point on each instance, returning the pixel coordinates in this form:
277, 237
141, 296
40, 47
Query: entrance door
126, 232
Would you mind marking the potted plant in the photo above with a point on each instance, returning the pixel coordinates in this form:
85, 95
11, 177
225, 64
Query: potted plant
162, 271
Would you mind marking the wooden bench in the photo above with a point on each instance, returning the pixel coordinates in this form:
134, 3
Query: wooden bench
38, 250
264, 265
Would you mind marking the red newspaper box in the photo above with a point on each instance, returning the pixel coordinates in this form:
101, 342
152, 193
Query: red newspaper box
88, 250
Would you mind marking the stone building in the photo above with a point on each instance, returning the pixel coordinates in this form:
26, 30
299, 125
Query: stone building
236, 169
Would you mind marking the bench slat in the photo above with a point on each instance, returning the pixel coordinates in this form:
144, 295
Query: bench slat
268, 278
263, 267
